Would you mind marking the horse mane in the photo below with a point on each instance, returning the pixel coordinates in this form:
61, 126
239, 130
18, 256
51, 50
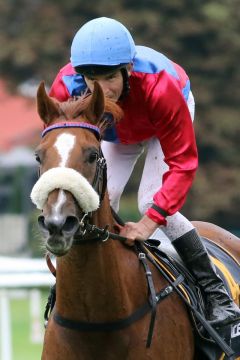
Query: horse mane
76, 106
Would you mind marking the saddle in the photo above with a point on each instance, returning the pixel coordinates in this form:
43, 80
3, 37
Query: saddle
227, 268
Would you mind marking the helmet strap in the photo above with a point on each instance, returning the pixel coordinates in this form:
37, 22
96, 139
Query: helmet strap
126, 85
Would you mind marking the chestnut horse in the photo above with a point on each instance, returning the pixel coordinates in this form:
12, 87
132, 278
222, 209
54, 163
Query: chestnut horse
98, 282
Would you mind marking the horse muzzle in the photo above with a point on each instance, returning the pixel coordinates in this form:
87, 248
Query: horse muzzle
58, 232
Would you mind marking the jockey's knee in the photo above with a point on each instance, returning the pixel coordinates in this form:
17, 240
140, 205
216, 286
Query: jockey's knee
177, 225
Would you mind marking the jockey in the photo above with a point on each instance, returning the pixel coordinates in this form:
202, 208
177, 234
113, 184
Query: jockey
158, 107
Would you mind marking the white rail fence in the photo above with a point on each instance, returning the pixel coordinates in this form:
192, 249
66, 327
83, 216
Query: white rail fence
21, 278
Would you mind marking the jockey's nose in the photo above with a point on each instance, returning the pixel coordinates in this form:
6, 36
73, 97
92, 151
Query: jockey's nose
58, 225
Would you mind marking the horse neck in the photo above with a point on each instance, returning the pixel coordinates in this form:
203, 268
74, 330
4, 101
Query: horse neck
98, 276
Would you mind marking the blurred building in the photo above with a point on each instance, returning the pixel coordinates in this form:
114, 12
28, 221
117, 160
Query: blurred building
20, 123
19, 134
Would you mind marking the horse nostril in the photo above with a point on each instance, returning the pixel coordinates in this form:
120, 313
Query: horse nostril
51, 224
58, 224
41, 222
71, 224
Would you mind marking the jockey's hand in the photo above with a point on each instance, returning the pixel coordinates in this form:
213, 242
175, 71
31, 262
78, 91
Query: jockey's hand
140, 230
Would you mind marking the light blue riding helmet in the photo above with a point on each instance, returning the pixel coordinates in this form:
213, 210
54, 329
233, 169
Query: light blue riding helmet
102, 41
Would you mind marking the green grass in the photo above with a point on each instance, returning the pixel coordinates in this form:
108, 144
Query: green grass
129, 209
23, 348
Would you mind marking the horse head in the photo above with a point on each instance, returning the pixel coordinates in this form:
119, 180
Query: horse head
72, 168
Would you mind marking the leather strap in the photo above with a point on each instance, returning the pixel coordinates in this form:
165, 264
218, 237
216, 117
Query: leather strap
114, 325
152, 294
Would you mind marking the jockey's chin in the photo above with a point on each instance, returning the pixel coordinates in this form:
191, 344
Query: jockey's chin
112, 98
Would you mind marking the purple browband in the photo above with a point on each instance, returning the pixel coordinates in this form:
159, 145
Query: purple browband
62, 125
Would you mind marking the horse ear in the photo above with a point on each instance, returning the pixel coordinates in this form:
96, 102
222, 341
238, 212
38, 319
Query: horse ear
95, 109
48, 110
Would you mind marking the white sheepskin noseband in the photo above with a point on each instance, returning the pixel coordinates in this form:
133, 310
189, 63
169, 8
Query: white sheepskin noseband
66, 179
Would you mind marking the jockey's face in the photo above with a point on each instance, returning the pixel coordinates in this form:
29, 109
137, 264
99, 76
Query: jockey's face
112, 83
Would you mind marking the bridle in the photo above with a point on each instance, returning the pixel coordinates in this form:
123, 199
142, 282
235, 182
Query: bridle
99, 183
100, 179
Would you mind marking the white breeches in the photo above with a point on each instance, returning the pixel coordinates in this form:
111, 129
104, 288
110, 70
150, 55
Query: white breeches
121, 160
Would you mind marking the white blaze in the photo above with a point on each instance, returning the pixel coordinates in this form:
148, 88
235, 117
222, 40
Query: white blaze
60, 201
64, 145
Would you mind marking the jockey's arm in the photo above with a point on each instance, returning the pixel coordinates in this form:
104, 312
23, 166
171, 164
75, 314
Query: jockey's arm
175, 132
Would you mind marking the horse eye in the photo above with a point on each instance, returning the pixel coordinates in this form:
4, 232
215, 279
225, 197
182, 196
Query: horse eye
92, 157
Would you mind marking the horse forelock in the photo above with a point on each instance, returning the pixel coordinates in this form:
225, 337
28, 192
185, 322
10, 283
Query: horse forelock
76, 106
114, 109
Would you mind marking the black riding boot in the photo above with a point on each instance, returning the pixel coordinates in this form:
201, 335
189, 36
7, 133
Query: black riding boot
221, 310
